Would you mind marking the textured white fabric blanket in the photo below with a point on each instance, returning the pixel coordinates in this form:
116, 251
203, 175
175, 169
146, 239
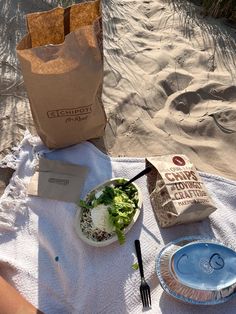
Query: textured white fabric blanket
42, 256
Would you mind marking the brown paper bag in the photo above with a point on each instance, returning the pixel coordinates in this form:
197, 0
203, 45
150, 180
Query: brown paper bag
57, 180
177, 193
62, 64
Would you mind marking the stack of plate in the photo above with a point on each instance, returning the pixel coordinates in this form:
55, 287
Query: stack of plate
197, 271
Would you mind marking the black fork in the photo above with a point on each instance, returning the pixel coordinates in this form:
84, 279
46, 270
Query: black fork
144, 287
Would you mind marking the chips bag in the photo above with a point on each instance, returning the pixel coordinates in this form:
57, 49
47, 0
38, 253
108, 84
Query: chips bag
177, 193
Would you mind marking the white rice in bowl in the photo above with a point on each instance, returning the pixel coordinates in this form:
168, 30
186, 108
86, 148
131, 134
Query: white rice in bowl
89, 230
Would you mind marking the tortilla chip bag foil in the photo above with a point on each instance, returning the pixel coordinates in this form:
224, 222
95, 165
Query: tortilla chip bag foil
61, 59
177, 193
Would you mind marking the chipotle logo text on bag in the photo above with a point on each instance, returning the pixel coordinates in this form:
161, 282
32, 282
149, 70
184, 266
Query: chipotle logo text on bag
177, 192
62, 64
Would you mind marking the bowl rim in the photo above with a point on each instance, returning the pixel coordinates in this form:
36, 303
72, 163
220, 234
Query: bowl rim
113, 238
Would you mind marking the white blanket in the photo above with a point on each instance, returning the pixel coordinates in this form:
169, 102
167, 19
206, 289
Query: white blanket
42, 256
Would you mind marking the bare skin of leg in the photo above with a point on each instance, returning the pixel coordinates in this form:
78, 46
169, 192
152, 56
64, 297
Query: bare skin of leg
12, 302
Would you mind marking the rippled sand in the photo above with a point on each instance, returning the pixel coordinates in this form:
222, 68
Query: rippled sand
169, 84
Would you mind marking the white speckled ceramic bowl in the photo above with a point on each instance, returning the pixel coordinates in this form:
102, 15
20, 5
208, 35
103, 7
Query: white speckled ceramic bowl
114, 237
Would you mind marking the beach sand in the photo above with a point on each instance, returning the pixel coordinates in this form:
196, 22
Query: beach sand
169, 82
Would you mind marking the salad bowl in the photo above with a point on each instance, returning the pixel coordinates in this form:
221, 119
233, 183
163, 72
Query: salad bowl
107, 197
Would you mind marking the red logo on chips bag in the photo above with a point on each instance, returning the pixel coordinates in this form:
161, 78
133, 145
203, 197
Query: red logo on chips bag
178, 161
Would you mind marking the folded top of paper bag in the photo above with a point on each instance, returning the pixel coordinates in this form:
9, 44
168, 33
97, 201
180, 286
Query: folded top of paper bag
57, 180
